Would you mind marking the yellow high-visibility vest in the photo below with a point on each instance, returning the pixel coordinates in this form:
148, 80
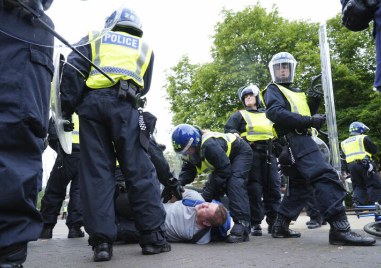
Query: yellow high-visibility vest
206, 167
75, 133
353, 148
297, 100
258, 126
121, 56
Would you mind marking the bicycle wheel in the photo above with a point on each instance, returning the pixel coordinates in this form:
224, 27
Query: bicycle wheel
373, 228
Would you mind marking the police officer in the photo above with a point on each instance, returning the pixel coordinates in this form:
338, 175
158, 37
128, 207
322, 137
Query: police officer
110, 128
301, 158
65, 171
264, 181
358, 150
26, 71
229, 159
359, 14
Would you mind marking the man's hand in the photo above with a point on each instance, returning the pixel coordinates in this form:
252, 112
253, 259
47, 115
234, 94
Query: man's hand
208, 192
317, 121
68, 125
173, 188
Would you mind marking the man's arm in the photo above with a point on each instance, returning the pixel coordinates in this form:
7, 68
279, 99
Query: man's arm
75, 73
233, 124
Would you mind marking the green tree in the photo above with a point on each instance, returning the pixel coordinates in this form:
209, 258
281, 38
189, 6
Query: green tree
245, 41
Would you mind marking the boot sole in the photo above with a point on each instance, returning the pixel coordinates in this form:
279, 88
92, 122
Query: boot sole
284, 236
237, 240
256, 234
156, 251
352, 244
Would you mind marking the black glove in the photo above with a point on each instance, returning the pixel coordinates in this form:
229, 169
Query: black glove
173, 188
208, 192
317, 121
68, 126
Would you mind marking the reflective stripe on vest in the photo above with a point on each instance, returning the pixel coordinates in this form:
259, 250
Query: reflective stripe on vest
121, 56
353, 148
75, 133
206, 167
258, 126
297, 100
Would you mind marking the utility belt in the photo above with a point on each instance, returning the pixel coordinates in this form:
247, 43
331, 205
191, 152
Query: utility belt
128, 90
299, 132
260, 145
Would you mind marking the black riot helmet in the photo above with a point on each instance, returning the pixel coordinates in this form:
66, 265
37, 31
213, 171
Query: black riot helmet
127, 22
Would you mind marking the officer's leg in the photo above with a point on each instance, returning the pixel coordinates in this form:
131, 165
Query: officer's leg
272, 193
313, 212
51, 202
21, 164
359, 195
75, 218
254, 190
238, 197
291, 206
143, 185
96, 180
330, 193
373, 185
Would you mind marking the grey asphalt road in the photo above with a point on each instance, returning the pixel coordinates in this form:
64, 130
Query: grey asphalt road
311, 250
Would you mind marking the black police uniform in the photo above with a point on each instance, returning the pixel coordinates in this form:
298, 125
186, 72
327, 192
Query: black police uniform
110, 129
366, 185
65, 171
310, 166
264, 180
229, 176
26, 71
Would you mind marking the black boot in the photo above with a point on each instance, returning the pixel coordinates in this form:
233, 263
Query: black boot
102, 252
239, 233
154, 242
314, 223
256, 230
75, 232
46, 232
281, 228
341, 234
270, 219
13, 256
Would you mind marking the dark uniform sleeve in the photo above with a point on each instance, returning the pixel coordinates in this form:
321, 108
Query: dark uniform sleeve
188, 173
74, 79
314, 103
279, 111
52, 136
234, 124
370, 147
161, 165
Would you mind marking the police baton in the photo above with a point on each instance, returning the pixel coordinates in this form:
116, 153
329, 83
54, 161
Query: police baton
59, 37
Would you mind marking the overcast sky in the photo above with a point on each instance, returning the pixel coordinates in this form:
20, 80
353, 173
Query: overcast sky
173, 28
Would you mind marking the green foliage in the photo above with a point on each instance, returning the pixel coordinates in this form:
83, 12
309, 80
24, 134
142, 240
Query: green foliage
244, 42
39, 197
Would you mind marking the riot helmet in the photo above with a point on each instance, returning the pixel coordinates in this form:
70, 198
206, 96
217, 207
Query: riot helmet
127, 22
356, 128
282, 68
185, 136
